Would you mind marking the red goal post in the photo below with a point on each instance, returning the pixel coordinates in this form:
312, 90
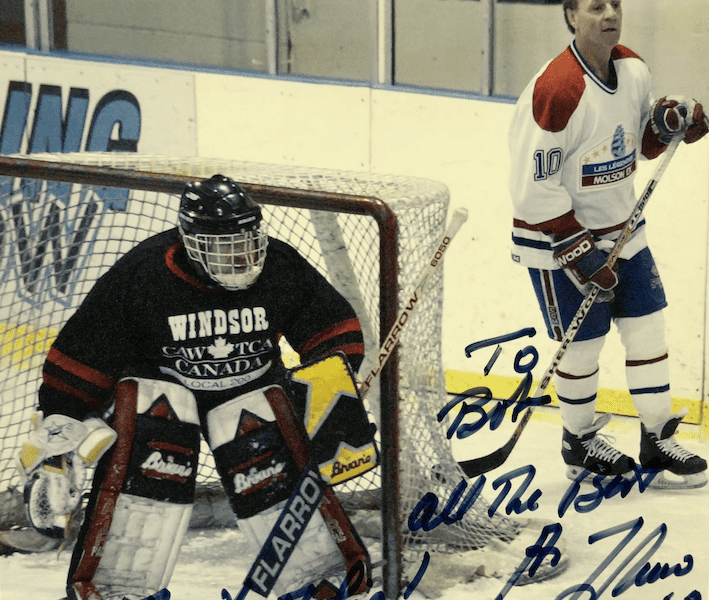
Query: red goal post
66, 218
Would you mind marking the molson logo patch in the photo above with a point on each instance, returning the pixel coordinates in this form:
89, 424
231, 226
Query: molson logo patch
611, 161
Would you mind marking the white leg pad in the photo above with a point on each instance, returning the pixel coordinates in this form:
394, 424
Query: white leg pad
142, 503
316, 556
142, 545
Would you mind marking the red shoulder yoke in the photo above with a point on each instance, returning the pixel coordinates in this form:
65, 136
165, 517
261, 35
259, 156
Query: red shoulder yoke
558, 91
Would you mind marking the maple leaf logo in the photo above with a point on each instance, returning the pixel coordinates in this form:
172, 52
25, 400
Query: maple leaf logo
220, 348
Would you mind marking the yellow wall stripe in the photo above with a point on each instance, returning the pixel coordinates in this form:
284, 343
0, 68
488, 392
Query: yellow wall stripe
609, 400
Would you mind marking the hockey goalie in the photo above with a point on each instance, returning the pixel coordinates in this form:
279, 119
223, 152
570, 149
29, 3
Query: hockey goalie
178, 340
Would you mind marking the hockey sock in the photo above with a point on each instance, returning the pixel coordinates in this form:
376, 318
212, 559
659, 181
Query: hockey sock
576, 384
649, 384
647, 366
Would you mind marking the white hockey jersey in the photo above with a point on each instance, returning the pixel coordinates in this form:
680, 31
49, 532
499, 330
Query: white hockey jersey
574, 145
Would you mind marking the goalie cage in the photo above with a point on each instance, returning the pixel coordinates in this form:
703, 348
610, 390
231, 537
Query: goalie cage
66, 218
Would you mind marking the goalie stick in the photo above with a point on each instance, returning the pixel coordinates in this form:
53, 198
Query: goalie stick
459, 217
296, 432
478, 466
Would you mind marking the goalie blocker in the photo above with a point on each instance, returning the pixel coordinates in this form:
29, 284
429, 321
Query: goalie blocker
143, 490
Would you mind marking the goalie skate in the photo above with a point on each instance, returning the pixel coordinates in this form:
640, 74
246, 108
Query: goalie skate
678, 468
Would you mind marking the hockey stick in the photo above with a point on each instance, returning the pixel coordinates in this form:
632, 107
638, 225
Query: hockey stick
459, 217
478, 466
311, 472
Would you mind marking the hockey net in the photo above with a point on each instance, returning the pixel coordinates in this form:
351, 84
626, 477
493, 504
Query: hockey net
65, 219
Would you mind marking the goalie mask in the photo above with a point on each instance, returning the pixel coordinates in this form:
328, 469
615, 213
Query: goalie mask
223, 231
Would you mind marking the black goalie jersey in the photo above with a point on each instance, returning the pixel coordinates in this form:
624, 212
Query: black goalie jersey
152, 315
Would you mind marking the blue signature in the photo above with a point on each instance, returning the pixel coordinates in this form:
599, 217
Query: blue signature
535, 555
625, 576
461, 499
519, 399
422, 516
604, 488
640, 573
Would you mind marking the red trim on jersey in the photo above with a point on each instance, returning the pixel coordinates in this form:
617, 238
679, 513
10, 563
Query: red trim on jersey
348, 326
520, 224
172, 265
620, 52
61, 386
607, 230
81, 370
557, 92
563, 226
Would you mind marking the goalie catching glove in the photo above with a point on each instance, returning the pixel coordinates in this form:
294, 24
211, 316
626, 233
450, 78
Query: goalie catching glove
52, 464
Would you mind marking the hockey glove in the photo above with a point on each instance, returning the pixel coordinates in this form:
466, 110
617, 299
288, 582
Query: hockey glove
698, 124
52, 463
673, 115
584, 263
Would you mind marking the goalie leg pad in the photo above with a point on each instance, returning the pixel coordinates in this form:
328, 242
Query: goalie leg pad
142, 495
258, 472
260, 448
316, 551
256, 467
141, 548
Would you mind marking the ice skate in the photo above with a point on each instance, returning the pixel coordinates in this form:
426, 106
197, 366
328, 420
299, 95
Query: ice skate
590, 451
660, 450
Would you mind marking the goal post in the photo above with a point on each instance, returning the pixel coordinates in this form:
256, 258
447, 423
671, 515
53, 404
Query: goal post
66, 218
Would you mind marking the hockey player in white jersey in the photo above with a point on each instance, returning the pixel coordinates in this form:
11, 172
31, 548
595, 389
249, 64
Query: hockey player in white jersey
578, 131
181, 338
